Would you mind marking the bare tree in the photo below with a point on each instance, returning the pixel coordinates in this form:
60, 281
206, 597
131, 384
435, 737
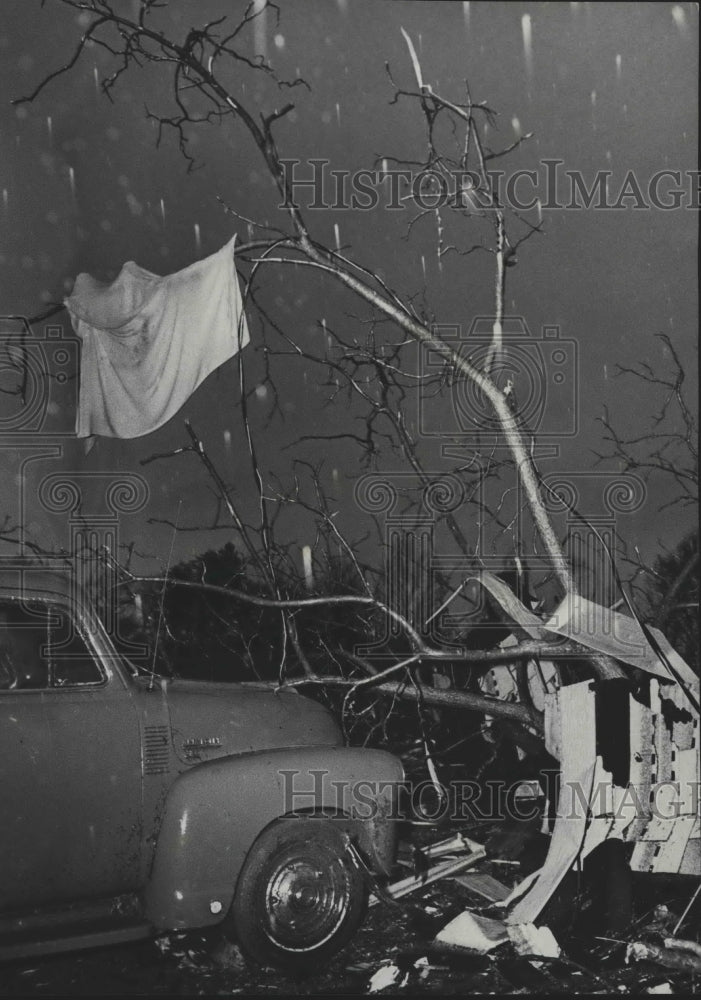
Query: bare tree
205, 70
670, 446
666, 450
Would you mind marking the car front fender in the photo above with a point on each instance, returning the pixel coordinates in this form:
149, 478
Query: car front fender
215, 811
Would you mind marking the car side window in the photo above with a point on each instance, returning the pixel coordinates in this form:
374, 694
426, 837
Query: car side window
40, 648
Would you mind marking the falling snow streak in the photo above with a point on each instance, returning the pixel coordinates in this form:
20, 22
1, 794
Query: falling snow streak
308, 570
679, 18
527, 32
260, 33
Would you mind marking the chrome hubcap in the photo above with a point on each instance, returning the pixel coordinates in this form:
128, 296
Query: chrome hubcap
306, 900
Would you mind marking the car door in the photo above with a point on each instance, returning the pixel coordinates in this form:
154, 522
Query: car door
70, 762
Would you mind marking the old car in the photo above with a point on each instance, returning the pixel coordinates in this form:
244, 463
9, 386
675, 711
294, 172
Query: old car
135, 805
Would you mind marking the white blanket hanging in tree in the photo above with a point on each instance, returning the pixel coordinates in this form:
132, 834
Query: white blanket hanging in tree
149, 341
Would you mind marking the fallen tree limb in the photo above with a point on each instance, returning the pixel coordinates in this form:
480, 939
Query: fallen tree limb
465, 700
671, 958
680, 944
558, 647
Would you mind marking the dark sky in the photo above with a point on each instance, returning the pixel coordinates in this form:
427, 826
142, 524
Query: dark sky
603, 87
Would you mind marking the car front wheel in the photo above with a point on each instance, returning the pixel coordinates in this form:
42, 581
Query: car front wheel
299, 897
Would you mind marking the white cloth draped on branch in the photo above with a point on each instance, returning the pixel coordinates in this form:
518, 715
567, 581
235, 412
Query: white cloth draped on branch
149, 341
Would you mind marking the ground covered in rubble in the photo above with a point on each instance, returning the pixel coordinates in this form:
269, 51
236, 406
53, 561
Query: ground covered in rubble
394, 951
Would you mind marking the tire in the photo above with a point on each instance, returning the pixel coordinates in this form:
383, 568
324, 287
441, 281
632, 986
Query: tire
299, 898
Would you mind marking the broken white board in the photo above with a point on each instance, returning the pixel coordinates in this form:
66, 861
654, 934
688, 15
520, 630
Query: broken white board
616, 635
474, 932
572, 712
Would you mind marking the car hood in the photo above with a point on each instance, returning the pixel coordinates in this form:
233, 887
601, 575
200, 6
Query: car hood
209, 720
